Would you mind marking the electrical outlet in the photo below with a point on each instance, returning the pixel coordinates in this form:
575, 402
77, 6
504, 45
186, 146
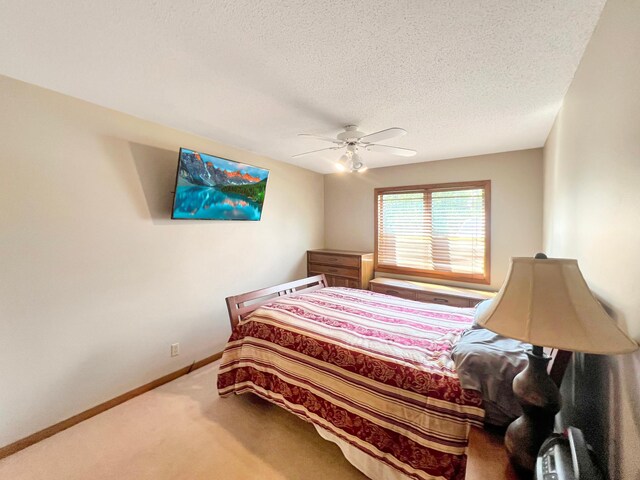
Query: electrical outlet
175, 349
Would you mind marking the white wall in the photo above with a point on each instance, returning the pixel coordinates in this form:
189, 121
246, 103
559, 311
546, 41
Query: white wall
516, 202
592, 213
96, 280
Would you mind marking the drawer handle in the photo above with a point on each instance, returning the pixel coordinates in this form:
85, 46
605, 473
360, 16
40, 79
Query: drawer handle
440, 300
332, 259
333, 270
392, 292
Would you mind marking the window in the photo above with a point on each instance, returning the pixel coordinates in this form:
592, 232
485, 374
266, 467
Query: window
439, 231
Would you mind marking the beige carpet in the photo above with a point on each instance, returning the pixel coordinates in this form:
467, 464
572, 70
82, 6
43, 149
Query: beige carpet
183, 430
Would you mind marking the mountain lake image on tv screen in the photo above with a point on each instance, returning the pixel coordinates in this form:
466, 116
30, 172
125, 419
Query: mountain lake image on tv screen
213, 188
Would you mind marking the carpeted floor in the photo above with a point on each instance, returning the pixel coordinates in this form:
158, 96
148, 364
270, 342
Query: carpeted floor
183, 430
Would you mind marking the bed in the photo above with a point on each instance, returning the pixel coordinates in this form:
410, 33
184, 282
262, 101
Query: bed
372, 373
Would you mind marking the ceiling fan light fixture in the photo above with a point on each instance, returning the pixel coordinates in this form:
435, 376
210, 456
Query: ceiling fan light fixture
356, 166
340, 167
344, 159
356, 163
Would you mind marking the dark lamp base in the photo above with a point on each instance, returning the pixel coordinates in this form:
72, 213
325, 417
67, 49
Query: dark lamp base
540, 400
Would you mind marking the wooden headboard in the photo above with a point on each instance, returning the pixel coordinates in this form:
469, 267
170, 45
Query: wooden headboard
237, 304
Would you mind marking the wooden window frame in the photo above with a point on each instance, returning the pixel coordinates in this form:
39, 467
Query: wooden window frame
458, 277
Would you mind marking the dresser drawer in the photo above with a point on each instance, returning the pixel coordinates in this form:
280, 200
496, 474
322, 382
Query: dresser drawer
443, 299
342, 282
430, 293
338, 260
396, 292
344, 272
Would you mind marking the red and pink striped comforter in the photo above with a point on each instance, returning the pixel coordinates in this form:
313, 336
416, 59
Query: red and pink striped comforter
374, 370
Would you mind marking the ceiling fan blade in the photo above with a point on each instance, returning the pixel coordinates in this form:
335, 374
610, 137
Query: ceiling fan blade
403, 152
383, 135
315, 151
320, 137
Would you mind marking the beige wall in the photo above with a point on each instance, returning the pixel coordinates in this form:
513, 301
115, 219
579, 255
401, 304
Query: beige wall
97, 281
592, 213
516, 207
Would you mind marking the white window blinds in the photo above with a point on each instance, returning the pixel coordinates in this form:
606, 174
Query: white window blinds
434, 230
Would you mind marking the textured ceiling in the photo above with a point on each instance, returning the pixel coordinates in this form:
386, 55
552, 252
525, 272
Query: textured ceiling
463, 77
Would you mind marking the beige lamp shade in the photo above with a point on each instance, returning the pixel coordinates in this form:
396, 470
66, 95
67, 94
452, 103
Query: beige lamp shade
546, 302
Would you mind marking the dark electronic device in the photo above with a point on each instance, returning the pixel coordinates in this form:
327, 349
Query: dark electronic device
567, 457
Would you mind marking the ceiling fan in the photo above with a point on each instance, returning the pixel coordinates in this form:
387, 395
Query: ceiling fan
354, 141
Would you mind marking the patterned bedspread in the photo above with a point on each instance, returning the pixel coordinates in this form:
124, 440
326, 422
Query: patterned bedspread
374, 370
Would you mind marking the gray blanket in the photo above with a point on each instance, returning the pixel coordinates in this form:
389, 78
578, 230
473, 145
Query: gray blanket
487, 362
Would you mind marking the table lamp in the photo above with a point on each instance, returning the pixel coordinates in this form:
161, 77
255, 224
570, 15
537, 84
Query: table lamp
546, 302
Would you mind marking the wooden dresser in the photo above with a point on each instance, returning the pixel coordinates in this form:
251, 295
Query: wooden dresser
342, 268
430, 292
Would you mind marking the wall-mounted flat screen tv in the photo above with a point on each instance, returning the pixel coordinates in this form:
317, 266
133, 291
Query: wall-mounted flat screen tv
214, 188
